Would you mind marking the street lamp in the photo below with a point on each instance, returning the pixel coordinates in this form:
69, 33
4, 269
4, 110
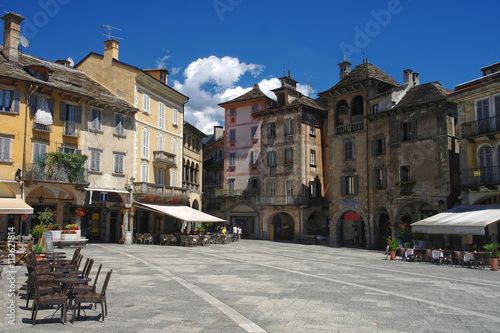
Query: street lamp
41, 199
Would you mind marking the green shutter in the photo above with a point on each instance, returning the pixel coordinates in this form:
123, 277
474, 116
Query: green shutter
343, 185
413, 130
33, 104
62, 111
16, 102
355, 184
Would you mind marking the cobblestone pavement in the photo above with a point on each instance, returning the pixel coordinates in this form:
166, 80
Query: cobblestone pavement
263, 286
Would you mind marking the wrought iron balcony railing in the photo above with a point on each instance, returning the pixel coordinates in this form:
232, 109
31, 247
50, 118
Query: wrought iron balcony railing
482, 126
71, 128
39, 172
480, 176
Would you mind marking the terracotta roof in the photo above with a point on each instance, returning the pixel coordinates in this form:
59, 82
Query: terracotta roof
62, 78
364, 72
421, 94
255, 93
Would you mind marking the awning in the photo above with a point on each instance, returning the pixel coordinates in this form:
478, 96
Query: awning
14, 206
180, 212
461, 220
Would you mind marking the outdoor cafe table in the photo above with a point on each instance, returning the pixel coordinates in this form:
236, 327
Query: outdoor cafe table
54, 255
61, 266
62, 274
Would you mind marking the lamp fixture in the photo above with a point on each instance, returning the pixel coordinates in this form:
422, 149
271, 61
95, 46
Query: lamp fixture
41, 199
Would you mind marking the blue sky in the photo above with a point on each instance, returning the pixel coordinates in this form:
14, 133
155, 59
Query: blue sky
216, 50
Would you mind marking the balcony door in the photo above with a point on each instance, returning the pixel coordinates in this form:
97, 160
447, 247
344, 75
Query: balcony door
485, 157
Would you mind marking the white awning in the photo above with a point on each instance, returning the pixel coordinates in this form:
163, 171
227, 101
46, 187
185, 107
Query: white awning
14, 206
460, 220
180, 212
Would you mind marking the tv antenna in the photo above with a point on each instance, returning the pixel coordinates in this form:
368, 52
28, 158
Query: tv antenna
308, 84
109, 28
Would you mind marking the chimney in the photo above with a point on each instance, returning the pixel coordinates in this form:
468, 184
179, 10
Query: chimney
63, 62
11, 34
407, 77
110, 50
218, 132
345, 68
416, 79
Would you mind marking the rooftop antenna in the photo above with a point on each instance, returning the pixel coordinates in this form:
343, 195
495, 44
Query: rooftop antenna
109, 28
308, 85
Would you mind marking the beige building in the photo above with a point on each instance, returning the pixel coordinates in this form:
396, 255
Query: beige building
158, 137
192, 162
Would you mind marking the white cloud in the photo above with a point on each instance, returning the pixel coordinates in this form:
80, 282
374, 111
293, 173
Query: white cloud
161, 62
212, 80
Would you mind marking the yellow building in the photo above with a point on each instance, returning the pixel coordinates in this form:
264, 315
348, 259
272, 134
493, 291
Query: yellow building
46, 112
158, 142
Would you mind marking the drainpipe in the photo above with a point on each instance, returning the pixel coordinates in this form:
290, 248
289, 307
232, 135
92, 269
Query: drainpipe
29, 92
368, 154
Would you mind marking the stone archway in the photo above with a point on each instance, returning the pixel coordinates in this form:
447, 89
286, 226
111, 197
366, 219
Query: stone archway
282, 227
352, 229
382, 223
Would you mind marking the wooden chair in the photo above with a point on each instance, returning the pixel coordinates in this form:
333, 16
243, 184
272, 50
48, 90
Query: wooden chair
147, 238
172, 240
138, 238
86, 288
41, 300
20, 256
163, 239
93, 297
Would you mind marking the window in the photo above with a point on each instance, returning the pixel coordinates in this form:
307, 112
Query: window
71, 115
145, 103
10, 101
144, 172
314, 189
232, 135
119, 160
161, 115
375, 108
230, 184
404, 173
96, 119
288, 157
313, 158
289, 188
255, 107
379, 178
5, 149
408, 131
312, 129
174, 146
173, 181
174, 117
232, 111
119, 124
38, 150
160, 177
161, 142
271, 158
254, 157
349, 185
378, 147
231, 159
254, 133
482, 109
95, 160
271, 129
349, 150
145, 143
272, 189
288, 126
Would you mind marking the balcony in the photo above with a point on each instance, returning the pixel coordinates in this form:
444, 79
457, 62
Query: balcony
405, 187
55, 173
160, 192
213, 163
71, 128
480, 176
280, 200
480, 127
191, 186
42, 128
228, 193
354, 127
162, 158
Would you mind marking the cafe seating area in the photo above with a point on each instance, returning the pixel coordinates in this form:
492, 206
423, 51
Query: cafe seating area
183, 239
470, 259
56, 283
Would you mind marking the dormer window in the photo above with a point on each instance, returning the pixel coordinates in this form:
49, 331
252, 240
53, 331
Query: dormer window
39, 72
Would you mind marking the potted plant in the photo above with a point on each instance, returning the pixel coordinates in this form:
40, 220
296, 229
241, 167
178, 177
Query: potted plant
46, 217
38, 230
393, 243
72, 231
55, 230
494, 250
39, 250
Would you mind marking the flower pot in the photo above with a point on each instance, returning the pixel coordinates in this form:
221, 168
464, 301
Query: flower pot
56, 235
393, 255
69, 237
39, 257
494, 264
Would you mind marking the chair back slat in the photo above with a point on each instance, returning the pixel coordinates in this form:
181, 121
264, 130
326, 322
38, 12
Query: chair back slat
105, 285
86, 272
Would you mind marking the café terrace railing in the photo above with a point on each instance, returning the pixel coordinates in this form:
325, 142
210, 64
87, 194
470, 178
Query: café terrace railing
482, 126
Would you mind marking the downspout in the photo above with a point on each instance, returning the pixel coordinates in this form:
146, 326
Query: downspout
29, 92
369, 242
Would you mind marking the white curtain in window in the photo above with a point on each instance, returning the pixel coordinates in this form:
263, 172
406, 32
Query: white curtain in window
43, 115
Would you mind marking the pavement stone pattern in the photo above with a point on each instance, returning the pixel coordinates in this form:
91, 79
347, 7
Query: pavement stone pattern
264, 286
